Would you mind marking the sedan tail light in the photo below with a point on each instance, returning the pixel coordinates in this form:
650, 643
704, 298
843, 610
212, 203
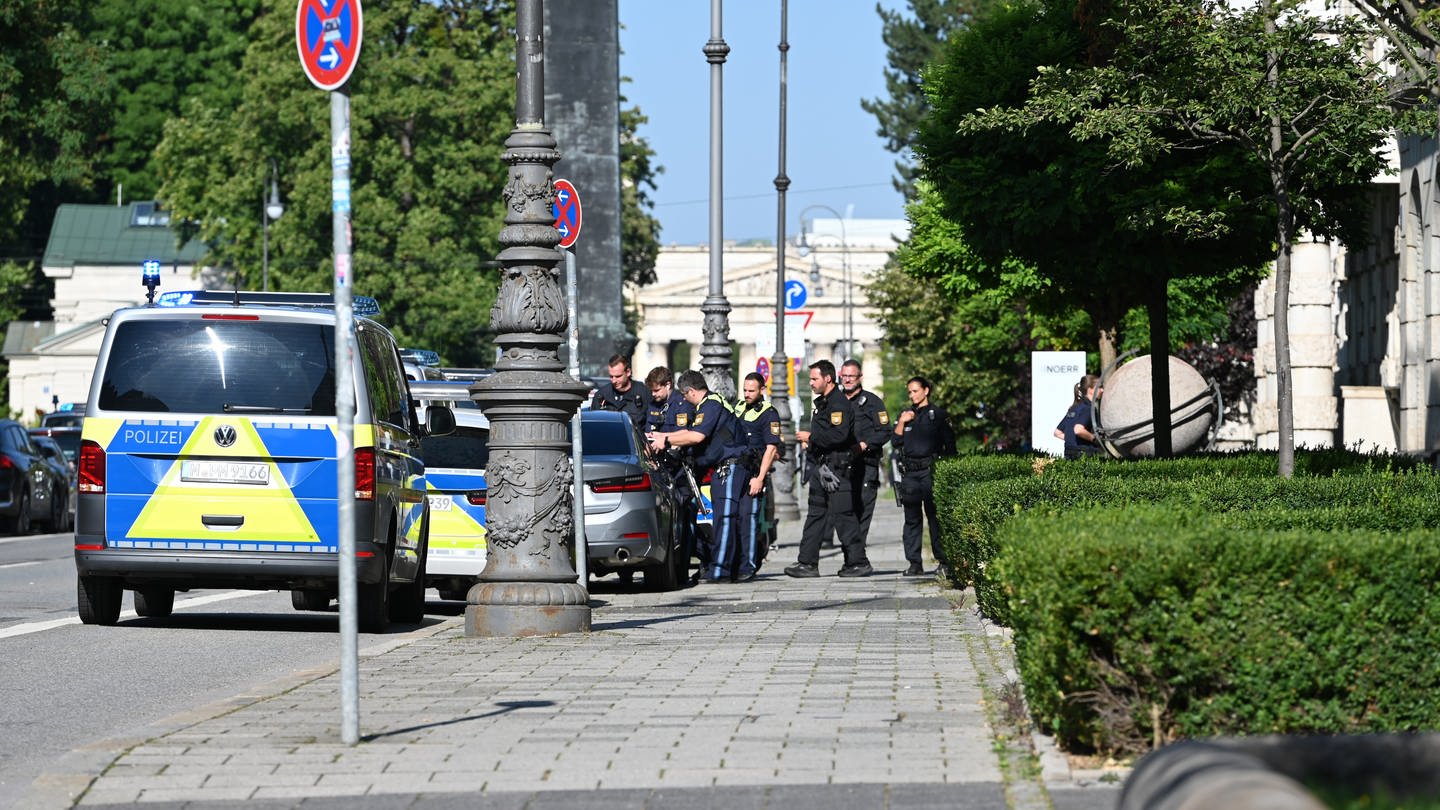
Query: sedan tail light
91, 476
629, 483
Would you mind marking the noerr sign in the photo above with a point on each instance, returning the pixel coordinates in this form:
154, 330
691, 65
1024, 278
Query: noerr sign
327, 35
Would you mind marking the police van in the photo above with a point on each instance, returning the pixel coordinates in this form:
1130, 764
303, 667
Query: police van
209, 453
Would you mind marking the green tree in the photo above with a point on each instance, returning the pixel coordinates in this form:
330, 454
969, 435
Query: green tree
972, 342
1297, 94
911, 44
1107, 235
161, 54
55, 93
432, 101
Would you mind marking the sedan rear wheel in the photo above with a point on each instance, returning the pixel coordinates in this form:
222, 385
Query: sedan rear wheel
301, 599
20, 524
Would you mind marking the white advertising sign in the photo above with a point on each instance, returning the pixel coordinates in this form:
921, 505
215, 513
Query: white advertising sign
1052, 390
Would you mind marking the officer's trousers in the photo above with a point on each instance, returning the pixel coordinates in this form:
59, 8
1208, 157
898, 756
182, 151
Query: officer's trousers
829, 510
917, 495
751, 550
725, 486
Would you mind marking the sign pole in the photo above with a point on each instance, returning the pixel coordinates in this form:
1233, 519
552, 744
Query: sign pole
582, 549
345, 410
327, 39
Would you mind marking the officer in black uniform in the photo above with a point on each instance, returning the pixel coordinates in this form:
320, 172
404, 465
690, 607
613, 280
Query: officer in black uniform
718, 445
621, 393
872, 431
668, 412
668, 409
922, 434
760, 424
828, 445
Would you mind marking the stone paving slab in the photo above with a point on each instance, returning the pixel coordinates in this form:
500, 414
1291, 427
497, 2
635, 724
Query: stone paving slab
778, 693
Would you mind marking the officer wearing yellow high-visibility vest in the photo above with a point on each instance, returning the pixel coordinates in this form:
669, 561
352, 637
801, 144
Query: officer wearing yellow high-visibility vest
760, 424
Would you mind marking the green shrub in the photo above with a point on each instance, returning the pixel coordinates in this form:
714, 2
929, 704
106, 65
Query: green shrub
1150, 623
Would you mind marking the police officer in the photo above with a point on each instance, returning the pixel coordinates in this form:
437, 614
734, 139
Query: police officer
668, 412
922, 434
715, 436
760, 424
828, 444
668, 409
872, 431
621, 393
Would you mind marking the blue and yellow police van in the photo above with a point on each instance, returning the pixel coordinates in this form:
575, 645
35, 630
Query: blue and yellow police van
209, 456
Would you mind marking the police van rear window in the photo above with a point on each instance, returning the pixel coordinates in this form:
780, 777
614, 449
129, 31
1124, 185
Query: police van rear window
466, 449
215, 366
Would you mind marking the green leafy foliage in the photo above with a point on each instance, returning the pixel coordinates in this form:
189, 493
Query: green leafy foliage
431, 104
1140, 625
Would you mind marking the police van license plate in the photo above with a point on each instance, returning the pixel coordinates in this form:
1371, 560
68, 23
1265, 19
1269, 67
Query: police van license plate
225, 472
440, 503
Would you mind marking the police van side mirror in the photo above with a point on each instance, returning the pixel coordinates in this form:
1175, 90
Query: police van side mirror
439, 420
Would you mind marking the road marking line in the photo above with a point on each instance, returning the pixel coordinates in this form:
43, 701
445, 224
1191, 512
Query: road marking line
27, 537
36, 627
22, 564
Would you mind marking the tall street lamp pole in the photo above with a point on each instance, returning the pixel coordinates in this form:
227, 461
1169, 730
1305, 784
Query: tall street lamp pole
786, 505
529, 587
269, 211
847, 323
715, 354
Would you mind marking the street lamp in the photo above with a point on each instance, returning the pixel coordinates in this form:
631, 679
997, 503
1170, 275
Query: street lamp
269, 211
786, 504
715, 353
847, 329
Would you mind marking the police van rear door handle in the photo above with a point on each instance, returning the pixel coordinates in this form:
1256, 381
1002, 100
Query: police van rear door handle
225, 521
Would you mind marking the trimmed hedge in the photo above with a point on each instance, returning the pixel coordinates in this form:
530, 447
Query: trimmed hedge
974, 500
1149, 623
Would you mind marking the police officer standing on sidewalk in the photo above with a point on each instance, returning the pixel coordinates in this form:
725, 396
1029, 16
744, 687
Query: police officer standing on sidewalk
828, 444
621, 393
668, 409
760, 424
715, 436
922, 434
872, 431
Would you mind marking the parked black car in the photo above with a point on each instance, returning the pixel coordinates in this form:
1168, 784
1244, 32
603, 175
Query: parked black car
62, 490
27, 481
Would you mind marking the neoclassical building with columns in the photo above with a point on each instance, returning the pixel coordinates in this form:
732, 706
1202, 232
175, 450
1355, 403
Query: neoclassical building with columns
835, 311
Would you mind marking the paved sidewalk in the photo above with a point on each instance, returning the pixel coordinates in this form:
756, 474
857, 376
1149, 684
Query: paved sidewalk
793, 693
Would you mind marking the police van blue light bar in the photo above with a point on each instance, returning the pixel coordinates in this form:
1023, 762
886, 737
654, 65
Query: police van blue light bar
423, 357
362, 305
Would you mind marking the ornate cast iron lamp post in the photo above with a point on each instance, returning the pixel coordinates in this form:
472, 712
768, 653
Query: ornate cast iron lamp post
786, 505
529, 586
715, 354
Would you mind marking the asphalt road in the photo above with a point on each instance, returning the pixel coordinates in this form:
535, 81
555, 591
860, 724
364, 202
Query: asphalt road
64, 684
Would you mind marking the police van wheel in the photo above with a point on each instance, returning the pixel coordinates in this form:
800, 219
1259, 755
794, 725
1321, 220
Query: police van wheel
301, 599
98, 599
154, 602
407, 603
373, 601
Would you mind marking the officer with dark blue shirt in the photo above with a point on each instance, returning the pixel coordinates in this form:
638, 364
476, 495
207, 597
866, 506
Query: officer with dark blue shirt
718, 445
760, 424
668, 410
621, 393
828, 446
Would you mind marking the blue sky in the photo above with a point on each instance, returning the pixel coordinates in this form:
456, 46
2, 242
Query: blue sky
834, 157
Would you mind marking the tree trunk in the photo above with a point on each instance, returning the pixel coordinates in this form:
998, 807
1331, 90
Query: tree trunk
1157, 305
1284, 232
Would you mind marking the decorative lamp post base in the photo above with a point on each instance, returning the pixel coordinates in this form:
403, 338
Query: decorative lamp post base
517, 609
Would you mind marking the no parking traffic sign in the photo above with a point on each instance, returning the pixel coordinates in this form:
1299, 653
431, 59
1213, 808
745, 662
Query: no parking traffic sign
567, 212
327, 36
